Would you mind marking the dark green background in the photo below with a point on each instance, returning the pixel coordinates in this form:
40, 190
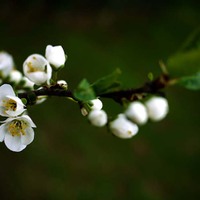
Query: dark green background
69, 159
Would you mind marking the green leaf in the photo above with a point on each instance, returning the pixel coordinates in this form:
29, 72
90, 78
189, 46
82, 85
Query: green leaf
190, 82
84, 91
186, 62
107, 83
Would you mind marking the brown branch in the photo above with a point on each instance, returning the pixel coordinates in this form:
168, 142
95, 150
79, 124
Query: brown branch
151, 87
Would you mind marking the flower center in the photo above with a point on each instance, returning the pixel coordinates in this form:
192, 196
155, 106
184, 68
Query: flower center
10, 104
32, 68
17, 128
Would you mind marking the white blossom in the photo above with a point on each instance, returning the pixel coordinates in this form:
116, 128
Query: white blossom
6, 64
37, 69
55, 55
10, 104
98, 118
96, 104
157, 108
122, 127
17, 132
137, 112
15, 76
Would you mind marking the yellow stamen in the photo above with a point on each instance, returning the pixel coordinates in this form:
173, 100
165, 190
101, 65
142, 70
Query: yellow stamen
17, 128
10, 104
32, 68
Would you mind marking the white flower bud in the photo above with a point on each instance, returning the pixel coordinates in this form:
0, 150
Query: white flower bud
55, 55
15, 76
96, 104
63, 84
6, 64
84, 111
41, 99
123, 128
27, 83
98, 118
157, 108
37, 69
137, 112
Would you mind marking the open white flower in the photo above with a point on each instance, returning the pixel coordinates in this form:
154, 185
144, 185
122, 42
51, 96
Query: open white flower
137, 112
98, 118
123, 128
6, 63
157, 108
37, 69
17, 132
10, 104
55, 55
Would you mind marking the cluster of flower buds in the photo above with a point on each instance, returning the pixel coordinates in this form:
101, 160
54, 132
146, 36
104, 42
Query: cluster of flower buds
37, 68
126, 124
96, 116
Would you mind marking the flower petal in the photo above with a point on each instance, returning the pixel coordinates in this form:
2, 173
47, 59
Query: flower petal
28, 137
27, 119
2, 132
14, 143
5, 90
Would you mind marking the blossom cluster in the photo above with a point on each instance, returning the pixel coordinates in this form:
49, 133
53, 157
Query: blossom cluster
37, 68
126, 124
17, 129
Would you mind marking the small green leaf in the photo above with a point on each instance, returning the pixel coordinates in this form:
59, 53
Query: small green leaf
190, 82
186, 62
84, 91
107, 83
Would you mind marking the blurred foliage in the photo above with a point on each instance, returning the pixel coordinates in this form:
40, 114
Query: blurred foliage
69, 159
186, 63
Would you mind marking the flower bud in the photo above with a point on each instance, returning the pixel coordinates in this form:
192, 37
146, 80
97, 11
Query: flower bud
37, 69
137, 112
157, 108
27, 83
123, 128
55, 55
15, 76
6, 64
84, 111
98, 118
96, 104
63, 84
41, 99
